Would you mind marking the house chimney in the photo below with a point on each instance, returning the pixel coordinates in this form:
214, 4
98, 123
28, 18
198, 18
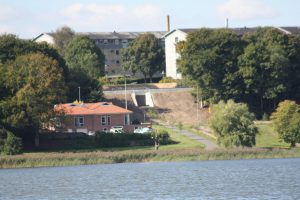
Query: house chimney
168, 23
227, 22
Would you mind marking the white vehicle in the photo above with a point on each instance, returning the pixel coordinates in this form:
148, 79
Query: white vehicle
143, 130
116, 130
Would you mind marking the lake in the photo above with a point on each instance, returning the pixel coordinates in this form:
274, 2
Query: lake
240, 179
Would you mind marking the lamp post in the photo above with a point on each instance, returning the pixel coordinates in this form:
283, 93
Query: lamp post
79, 94
125, 93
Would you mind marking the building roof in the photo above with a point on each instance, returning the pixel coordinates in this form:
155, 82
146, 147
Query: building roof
111, 35
242, 30
100, 108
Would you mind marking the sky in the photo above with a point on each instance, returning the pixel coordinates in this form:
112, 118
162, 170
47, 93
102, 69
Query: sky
29, 18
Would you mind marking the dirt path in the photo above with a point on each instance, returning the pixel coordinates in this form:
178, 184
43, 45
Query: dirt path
208, 144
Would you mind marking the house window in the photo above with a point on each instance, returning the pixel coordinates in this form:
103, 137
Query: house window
176, 39
118, 62
105, 41
108, 119
103, 120
126, 119
117, 52
79, 121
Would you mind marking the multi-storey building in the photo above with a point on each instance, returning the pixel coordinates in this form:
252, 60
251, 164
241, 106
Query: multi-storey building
111, 44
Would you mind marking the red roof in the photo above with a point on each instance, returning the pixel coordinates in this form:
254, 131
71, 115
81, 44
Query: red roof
100, 108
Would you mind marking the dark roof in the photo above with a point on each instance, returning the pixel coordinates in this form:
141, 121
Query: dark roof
239, 31
112, 35
291, 29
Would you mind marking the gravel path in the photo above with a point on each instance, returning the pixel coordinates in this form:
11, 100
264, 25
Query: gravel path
208, 144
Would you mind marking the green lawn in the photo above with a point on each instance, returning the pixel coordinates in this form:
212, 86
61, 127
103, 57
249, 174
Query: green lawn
267, 137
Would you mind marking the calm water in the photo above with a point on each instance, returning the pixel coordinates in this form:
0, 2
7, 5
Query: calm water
244, 179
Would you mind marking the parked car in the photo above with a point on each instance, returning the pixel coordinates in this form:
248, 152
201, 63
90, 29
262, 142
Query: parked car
143, 130
116, 130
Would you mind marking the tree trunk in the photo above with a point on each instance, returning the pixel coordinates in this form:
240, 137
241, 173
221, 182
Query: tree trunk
145, 78
37, 139
293, 144
261, 106
150, 76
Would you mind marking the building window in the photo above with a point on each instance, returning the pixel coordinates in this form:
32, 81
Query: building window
108, 119
117, 61
105, 41
117, 52
126, 119
176, 39
79, 121
103, 120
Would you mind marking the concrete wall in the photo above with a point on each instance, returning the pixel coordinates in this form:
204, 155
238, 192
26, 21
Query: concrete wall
171, 54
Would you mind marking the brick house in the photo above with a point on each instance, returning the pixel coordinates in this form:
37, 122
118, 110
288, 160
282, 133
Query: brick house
91, 117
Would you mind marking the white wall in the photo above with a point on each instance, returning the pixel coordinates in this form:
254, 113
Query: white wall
45, 38
171, 55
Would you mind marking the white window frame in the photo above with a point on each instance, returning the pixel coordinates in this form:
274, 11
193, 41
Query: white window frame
77, 120
105, 120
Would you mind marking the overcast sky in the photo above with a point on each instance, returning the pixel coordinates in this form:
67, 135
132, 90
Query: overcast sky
29, 18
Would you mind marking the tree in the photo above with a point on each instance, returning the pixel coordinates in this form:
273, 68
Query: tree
34, 84
11, 47
62, 38
12, 144
233, 124
264, 65
286, 121
209, 56
83, 55
144, 55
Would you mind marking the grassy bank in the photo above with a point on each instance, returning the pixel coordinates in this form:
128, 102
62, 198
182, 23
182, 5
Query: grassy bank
185, 150
101, 157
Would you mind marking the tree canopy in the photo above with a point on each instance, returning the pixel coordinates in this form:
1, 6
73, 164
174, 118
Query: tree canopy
82, 54
145, 55
233, 124
33, 84
62, 38
210, 57
86, 64
286, 121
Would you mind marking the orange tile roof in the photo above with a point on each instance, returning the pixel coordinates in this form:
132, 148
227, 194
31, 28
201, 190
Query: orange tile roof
99, 108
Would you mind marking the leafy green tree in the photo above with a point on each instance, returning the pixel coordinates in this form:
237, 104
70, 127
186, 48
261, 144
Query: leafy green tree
233, 124
62, 38
209, 56
12, 145
34, 84
286, 121
145, 54
264, 64
83, 55
86, 64
11, 47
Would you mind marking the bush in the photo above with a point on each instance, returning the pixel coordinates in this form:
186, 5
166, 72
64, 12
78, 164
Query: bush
167, 80
233, 124
12, 145
129, 139
286, 121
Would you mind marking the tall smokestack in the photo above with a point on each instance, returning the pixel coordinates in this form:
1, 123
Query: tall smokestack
227, 23
168, 23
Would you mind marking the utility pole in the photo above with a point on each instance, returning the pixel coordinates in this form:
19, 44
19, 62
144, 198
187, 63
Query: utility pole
125, 93
197, 105
79, 94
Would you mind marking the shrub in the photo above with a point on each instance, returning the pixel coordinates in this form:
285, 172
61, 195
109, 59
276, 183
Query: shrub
128, 139
233, 124
12, 145
286, 121
167, 80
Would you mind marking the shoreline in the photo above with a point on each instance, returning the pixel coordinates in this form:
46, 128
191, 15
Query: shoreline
54, 159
